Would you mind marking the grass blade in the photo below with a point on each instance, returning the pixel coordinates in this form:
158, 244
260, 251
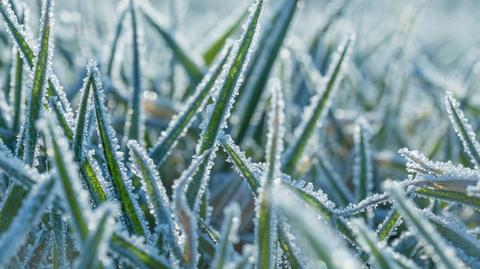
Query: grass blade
319, 104
181, 122
229, 236
265, 227
442, 254
219, 111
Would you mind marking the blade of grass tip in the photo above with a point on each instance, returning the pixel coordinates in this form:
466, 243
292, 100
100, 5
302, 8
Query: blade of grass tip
442, 254
265, 233
185, 216
38, 80
94, 248
28, 215
326, 245
319, 104
367, 240
463, 129
195, 71
262, 64
81, 132
135, 118
216, 47
227, 88
157, 198
118, 31
179, 124
466, 244
231, 222
66, 171
136, 254
122, 185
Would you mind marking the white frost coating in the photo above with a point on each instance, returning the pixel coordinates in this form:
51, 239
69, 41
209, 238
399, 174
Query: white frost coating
112, 143
392, 231
442, 254
178, 118
308, 189
326, 245
229, 236
371, 201
29, 214
463, 129
106, 185
183, 214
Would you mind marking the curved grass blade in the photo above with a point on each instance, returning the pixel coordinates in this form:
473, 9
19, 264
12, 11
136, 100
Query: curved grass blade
122, 185
219, 111
95, 246
42, 65
216, 47
158, 203
29, 214
326, 245
258, 73
442, 254
194, 70
266, 218
76, 198
135, 116
319, 104
463, 129
181, 122
185, 216
229, 236
136, 254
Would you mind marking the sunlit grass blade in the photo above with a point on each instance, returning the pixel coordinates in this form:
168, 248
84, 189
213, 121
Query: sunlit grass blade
326, 245
36, 94
231, 222
194, 70
182, 121
158, 202
463, 129
229, 82
257, 74
135, 124
448, 196
216, 47
136, 254
319, 104
66, 171
29, 214
442, 254
265, 232
184, 215
96, 244
123, 187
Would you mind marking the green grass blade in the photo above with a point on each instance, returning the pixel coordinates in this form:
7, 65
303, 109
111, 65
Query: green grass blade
334, 180
42, 63
76, 198
449, 196
387, 228
194, 70
122, 184
81, 132
17, 94
325, 245
135, 113
265, 233
319, 104
262, 63
216, 47
116, 38
229, 82
463, 129
442, 254
56, 107
182, 121
28, 215
95, 246
137, 254
363, 170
